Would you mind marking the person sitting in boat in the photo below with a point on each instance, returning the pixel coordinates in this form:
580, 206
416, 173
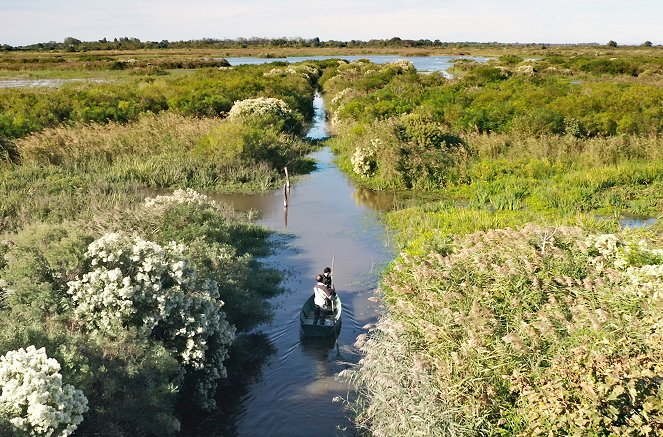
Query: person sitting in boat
322, 299
327, 278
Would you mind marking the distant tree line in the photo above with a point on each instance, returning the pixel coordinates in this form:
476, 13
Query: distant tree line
71, 44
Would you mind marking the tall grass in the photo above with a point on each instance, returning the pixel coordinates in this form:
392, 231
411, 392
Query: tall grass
536, 331
79, 171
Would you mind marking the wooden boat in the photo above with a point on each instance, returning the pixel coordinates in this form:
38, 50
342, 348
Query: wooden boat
327, 326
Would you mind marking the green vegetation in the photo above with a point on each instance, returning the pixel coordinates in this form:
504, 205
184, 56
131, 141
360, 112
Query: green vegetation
510, 311
205, 92
529, 332
129, 373
140, 299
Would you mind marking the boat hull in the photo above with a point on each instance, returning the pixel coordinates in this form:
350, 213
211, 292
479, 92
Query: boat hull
327, 326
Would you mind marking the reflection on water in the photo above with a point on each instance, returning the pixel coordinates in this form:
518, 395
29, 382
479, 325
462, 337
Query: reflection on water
31, 83
319, 129
636, 222
376, 200
324, 219
421, 63
247, 356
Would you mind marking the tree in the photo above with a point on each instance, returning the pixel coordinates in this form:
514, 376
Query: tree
647, 44
70, 41
612, 43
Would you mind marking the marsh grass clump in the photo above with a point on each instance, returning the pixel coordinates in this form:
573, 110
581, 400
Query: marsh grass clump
520, 332
69, 172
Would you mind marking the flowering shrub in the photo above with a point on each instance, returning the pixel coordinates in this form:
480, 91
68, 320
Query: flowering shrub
33, 398
180, 196
401, 66
309, 72
266, 112
364, 160
135, 282
258, 107
530, 332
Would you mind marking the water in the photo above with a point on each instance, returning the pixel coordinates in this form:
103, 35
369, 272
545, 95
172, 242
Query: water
629, 222
421, 63
292, 395
51, 83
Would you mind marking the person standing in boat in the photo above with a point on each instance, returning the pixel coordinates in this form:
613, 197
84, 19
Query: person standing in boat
327, 277
322, 295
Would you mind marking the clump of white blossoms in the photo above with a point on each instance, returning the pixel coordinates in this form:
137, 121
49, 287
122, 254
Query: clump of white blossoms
610, 249
260, 106
33, 397
179, 197
401, 66
645, 279
363, 160
139, 283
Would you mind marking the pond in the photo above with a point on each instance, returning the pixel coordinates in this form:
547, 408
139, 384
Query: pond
421, 63
326, 222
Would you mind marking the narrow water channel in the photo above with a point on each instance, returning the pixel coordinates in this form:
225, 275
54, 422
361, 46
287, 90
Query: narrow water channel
326, 217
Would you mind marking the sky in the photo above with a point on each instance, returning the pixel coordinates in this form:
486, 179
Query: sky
560, 21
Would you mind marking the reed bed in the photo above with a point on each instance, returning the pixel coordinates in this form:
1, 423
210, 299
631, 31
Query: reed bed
535, 331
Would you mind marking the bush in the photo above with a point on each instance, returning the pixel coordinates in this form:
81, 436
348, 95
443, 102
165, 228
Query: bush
32, 397
266, 112
137, 283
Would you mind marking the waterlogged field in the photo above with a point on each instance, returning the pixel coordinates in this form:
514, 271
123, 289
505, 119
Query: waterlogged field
517, 306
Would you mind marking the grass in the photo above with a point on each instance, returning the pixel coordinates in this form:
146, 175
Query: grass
517, 305
516, 332
78, 171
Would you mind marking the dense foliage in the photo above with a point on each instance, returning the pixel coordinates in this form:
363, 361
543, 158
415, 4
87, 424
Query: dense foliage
139, 303
131, 308
204, 92
532, 332
33, 400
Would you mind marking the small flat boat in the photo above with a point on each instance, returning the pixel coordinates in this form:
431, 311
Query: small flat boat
327, 326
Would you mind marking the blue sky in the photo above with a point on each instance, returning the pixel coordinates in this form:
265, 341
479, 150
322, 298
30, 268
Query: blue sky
559, 21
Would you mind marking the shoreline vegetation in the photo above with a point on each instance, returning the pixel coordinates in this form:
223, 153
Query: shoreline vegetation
136, 289
517, 305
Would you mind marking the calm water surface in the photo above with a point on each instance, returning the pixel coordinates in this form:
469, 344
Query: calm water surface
326, 218
421, 63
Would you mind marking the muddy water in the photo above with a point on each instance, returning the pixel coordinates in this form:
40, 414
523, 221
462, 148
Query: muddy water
326, 218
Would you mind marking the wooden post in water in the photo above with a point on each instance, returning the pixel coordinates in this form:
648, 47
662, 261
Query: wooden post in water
285, 196
287, 178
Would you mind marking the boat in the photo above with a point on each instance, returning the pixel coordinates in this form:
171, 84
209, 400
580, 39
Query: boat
327, 326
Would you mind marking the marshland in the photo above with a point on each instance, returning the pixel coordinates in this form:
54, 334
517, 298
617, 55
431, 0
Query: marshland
496, 229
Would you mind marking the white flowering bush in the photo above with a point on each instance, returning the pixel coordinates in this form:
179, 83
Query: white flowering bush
260, 106
401, 66
180, 197
364, 159
34, 399
266, 112
308, 72
140, 283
